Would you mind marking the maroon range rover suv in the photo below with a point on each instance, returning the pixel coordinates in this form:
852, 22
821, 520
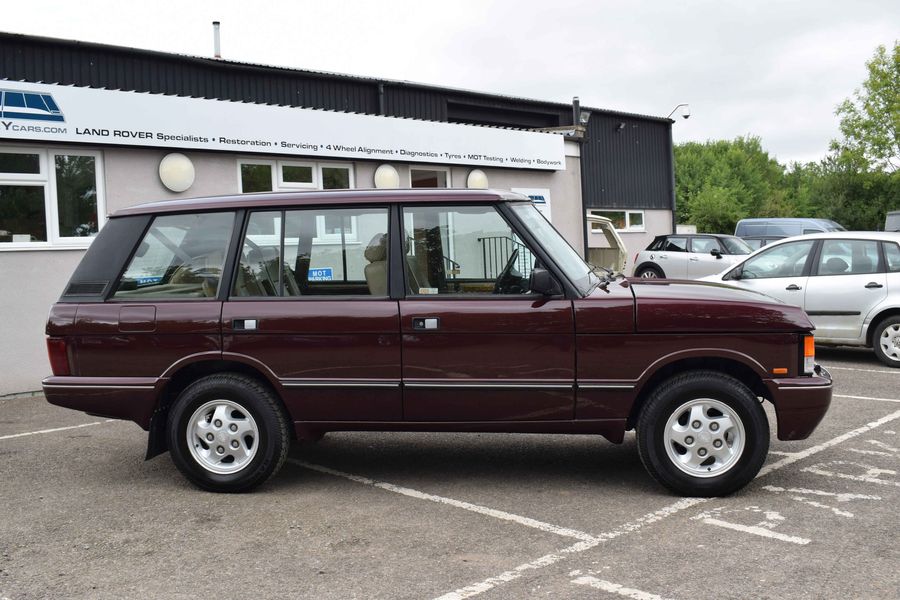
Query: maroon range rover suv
228, 327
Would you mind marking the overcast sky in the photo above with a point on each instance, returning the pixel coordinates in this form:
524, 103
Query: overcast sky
775, 69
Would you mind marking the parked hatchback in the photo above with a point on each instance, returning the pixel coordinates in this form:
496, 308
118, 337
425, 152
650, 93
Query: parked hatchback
228, 327
848, 282
688, 256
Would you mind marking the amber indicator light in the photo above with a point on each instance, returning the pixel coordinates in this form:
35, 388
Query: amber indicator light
779, 371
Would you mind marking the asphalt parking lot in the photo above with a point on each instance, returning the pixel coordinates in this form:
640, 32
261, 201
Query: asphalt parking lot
453, 515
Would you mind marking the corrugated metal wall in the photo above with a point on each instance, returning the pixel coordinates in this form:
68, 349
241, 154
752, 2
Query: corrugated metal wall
627, 163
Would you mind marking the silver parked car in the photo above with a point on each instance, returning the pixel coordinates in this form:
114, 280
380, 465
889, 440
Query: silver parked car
848, 282
689, 256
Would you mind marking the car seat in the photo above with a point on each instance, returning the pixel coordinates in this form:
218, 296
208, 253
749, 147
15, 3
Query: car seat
376, 270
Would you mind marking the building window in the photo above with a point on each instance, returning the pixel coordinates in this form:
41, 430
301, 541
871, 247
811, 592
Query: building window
260, 175
623, 220
50, 198
431, 177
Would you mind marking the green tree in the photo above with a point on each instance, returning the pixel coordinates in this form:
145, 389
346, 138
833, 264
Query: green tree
870, 120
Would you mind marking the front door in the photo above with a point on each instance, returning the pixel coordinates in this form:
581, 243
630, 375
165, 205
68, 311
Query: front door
701, 260
477, 344
782, 271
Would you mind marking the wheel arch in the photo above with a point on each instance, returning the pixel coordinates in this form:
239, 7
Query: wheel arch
733, 365
182, 374
651, 265
877, 320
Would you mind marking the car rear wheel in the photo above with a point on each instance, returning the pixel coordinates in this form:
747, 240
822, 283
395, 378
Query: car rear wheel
886, 342
650, 273
703, 433
227, 433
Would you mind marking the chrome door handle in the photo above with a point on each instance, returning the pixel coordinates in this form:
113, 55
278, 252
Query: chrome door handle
693, 259
793, 287
873, 285
426, 323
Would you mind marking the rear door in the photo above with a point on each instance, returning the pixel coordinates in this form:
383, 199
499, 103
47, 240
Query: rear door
477, 344
847, 282
310, 303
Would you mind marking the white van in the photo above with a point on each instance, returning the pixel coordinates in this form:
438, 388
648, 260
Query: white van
784, 227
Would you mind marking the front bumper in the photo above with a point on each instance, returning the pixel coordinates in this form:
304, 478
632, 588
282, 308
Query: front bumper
129, 398
800, 403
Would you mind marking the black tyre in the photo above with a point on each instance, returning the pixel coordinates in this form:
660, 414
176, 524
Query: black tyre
886, 342
703, 433
650, 272
227, 433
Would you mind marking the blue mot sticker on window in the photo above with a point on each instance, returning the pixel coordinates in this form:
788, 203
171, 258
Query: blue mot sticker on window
141, 281
32, 106
324, 274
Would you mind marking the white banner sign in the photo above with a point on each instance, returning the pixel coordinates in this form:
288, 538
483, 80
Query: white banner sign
33, 111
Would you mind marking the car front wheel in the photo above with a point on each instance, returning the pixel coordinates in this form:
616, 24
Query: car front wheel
227, 433
703, 433
886, 342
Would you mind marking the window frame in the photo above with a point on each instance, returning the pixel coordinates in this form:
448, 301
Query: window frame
46, 178
249, 161
598, 212
282, 184
811, 257
417, 167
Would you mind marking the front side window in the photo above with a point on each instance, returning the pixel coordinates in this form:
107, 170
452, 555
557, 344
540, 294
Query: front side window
848, 257
704, 245
784, 260
180, 257
49, 198
464, 250
283, 254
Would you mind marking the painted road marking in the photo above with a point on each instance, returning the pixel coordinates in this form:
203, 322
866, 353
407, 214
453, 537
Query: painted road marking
863, 370
871, 473
781, 453
549, 559
804, 500
54, 430
615, 588
866, 398
482, 510
789, 460
763, 529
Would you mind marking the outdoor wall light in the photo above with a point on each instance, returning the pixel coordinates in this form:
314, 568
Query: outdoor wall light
685, 111
176, 171
477, 180
386, 177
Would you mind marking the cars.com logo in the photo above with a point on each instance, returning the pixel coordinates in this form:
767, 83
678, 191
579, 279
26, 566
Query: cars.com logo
32, 106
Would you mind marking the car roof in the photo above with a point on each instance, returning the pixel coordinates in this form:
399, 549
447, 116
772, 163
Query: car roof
320, 197
886, 236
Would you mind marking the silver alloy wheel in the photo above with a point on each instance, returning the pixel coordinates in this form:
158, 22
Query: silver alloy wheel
890, 342
222, 437
649, 274
704, 437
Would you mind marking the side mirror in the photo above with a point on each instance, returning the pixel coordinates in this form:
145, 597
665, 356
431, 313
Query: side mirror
716, 253
542, 282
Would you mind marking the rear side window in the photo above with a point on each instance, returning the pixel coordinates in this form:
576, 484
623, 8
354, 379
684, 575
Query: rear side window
892, 255
180, 257
848, 257
314, 252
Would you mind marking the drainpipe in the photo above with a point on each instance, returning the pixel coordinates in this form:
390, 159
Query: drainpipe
672, 178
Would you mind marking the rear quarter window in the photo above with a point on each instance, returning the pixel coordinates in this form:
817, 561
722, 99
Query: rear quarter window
180, 257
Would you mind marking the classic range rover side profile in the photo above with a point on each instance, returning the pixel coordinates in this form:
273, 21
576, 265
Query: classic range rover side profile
228, 327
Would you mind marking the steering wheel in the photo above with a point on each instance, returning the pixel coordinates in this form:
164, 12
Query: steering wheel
504, 275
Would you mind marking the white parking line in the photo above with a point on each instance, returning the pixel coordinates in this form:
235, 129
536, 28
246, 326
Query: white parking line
892, 371
482, 510
756, 530
549, 559
789, 460
54, 430
615, 588
866, 398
